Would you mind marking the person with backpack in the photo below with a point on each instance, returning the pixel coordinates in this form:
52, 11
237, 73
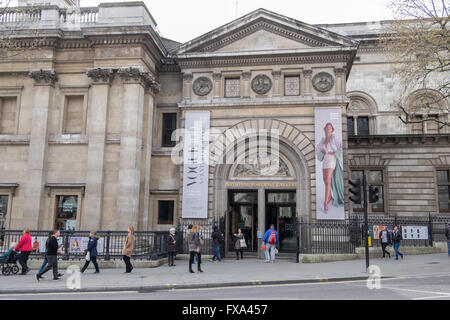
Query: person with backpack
93, 253
270, 241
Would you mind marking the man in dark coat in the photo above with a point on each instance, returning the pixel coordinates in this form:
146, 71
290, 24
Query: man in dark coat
385, 239
171, 247
396, 238
52, 256
447, 235
216, 236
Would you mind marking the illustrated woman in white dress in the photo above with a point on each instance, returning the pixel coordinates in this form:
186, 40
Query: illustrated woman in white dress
329, 151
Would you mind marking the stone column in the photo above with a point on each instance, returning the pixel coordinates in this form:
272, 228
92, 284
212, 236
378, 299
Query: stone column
98, 112
151, 92
276, 83
261, 218
306, 83
340, 80
134, 82
217, 77
246, 84
187, 86
44, 81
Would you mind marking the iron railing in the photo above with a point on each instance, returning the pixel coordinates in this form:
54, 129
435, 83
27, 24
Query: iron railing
149, 245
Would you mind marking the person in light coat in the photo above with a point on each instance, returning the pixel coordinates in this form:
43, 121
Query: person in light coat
128, 249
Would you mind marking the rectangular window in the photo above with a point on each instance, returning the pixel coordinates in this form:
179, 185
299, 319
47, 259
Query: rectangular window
443, 190
292, 85
66, 212
169, 125
233, 88
73, 115
3, 211
363, 126
8, 115
165, 212
350, 126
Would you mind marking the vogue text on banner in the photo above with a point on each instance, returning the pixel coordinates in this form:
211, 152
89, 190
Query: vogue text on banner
329, 164
196, 165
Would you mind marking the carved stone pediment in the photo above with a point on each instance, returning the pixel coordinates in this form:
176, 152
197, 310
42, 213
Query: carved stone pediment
270, 167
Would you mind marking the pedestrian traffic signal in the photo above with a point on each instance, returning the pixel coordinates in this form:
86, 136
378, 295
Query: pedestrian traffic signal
356, 190
373, 194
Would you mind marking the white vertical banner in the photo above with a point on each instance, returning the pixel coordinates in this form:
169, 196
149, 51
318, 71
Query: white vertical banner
329, 164
196, 165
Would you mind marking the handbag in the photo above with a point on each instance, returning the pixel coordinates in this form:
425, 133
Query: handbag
243, 243
88, 256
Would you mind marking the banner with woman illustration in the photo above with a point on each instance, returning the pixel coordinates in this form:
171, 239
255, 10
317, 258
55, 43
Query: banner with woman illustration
329, 164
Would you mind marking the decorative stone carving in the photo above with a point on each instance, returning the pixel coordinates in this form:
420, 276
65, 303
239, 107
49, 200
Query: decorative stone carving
217, 76
307, 73
100, 75
246, 75
269, 167
43, 77
187, 76
261, 84
340, 71
323, 82
202, 86
276, 73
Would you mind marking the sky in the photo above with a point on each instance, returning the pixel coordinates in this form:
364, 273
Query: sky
184, 20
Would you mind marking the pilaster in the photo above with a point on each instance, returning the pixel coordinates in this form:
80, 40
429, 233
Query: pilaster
44, 81
246, 84
187, 86
276, 83
306, 86
98, 112
217, 78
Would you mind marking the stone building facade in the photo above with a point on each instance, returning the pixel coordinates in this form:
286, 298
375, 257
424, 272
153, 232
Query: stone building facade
88, 109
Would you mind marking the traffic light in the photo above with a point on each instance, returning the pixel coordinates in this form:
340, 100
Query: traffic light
356, 190
373, 194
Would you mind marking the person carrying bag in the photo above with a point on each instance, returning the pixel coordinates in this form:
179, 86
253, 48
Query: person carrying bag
239, 244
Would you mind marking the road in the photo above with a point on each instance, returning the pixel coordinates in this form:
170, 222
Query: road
431, 287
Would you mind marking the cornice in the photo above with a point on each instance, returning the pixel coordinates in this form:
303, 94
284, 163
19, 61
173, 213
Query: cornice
262, 60
402, 140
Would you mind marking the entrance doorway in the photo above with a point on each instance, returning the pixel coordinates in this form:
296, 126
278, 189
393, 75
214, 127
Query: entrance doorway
281, 212
243, 215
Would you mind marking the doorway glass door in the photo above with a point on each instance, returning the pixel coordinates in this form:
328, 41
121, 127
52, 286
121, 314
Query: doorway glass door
243, 215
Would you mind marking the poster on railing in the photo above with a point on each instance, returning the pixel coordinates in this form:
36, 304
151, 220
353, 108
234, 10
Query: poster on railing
196, 165
329, 164
39, 242
414, 233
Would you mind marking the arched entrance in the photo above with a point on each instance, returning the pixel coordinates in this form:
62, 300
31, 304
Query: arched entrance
250, 195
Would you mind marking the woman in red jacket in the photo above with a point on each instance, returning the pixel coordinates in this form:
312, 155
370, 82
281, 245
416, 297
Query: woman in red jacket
25, 248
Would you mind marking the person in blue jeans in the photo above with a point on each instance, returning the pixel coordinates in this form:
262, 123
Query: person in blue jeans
216, 236
396, 238
270, 240
92, 249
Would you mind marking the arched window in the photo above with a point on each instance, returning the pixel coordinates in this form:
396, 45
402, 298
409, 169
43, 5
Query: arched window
361, 114
425, 108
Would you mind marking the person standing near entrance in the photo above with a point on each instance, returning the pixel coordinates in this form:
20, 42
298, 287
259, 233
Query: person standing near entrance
239, 244
396, 238
25, 248
270, 241
52, 256
216, 236
92, 249
194, 247
385, 238
128, 249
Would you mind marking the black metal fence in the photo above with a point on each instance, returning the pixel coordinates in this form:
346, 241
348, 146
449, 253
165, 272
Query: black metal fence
340, 237
149, 245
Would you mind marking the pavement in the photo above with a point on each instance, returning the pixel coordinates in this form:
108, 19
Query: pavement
227, 273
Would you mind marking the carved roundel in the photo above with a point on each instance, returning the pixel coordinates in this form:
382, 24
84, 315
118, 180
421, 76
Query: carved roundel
323, 82
202, 86
261, 84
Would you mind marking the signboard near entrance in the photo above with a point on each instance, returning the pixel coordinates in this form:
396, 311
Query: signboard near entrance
329, 164
196, 165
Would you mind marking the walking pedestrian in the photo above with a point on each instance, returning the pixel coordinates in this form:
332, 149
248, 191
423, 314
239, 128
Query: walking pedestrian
25, 248
270, 241
171, 246
45, 262
239, 244
385, 238
92, 250
128, 249
194, 247
447, 235
216, 236
396, 238
52, 256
